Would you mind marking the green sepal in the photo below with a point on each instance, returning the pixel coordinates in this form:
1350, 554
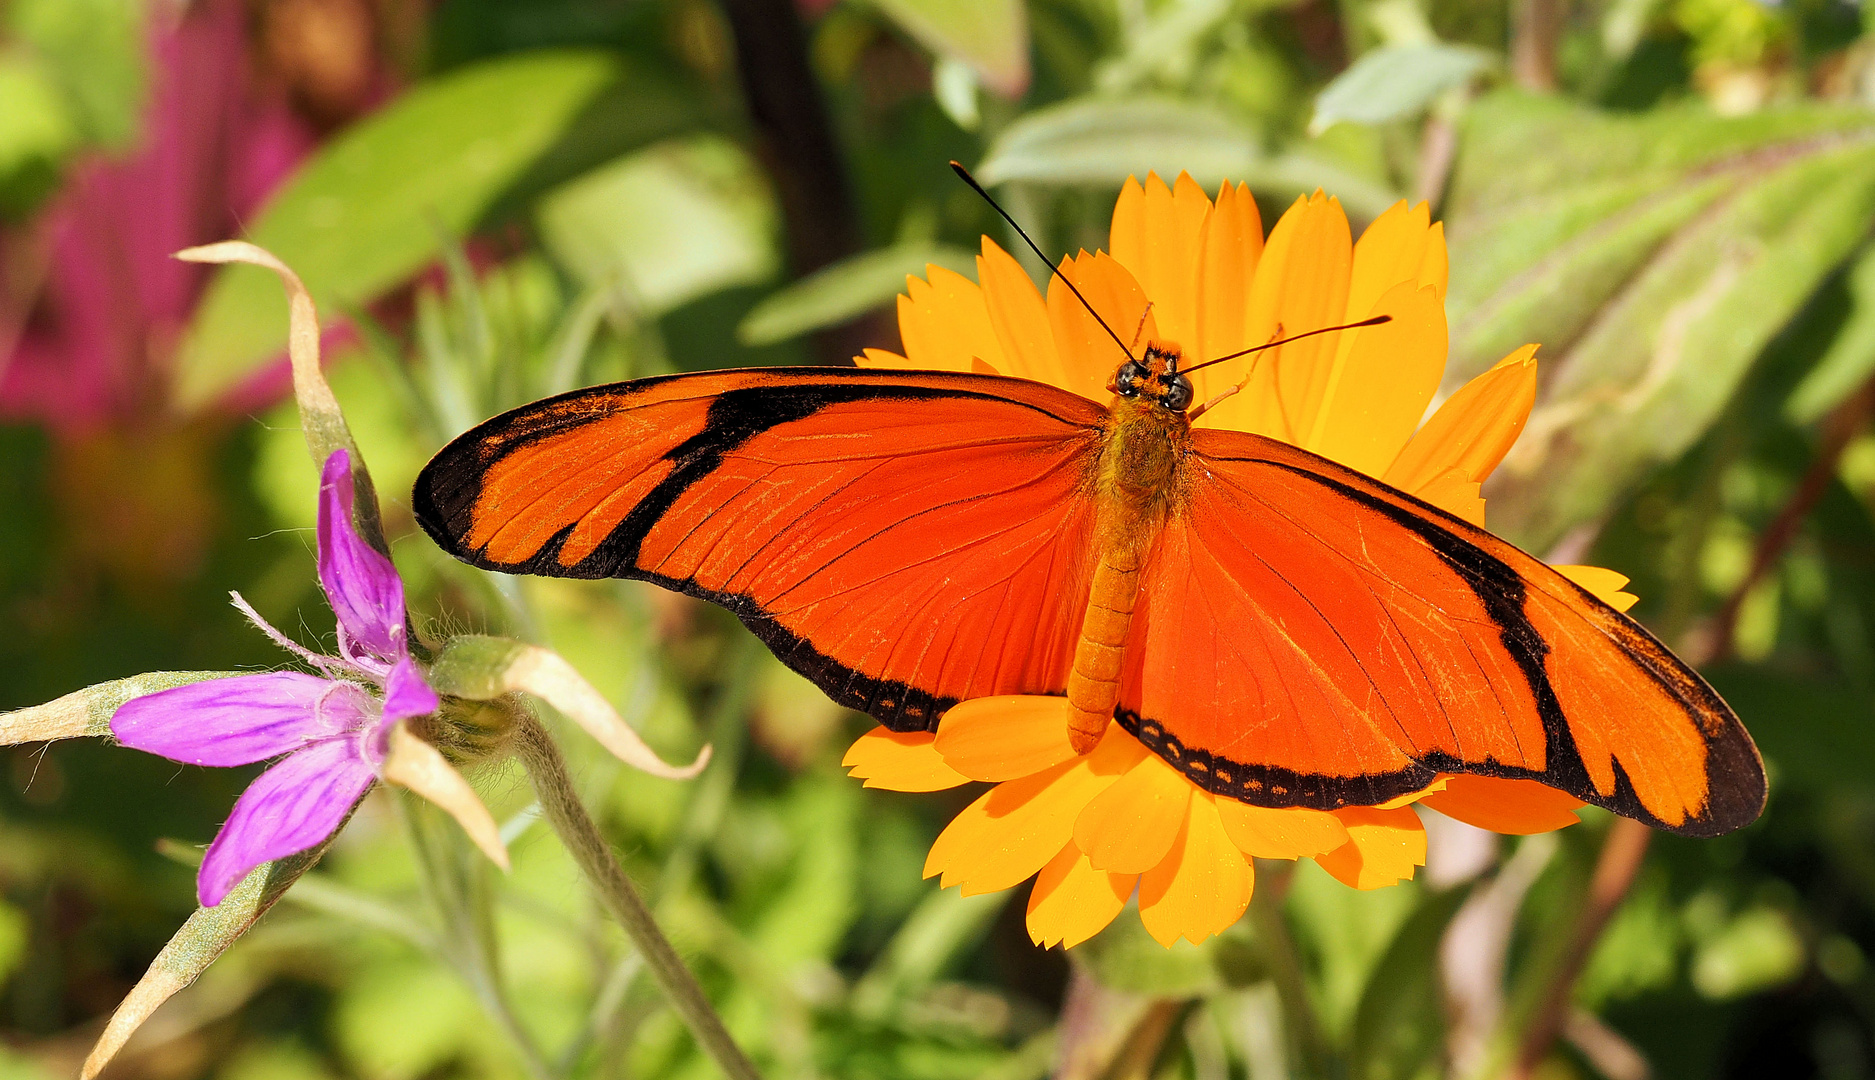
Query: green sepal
476, 667
89, 711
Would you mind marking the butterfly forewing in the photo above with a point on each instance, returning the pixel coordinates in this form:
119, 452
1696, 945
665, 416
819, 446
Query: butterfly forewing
903, 541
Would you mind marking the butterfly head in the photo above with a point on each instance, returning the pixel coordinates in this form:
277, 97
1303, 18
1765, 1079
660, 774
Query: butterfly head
1154, 378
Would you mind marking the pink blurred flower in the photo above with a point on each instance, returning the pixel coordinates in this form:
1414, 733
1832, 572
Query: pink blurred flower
95, 347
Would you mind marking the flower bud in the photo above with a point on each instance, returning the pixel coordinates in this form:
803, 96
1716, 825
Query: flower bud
468, 731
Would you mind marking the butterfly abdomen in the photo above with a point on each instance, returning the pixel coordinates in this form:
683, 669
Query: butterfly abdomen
1094, 683
1144, 448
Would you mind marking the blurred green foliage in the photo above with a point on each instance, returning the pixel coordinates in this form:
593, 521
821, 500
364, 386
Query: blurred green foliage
1676, 200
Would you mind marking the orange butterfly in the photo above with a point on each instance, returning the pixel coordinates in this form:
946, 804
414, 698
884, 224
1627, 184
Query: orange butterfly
1284, 630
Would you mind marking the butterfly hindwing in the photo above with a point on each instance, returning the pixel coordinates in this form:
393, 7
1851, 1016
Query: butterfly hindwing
905, 540
1375, 641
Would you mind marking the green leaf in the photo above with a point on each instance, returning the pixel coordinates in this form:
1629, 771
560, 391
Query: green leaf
35, 131
809, 916
991, 36
203, 938
1851, 357
668, 224
95, 51
848, 288
1394, 82
1125, 957
15, 929
1399, 1023
403, 1021
1344, 935
1101, 140
944, 924
1654, 257
1757, 950
1819, 733
367, 211
1640, 950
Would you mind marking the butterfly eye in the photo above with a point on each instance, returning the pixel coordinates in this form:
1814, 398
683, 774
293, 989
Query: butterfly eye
1126, 381
1177, 397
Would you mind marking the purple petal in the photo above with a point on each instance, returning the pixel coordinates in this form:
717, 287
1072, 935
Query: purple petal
289, 808
241, 720
406, 694
359, 580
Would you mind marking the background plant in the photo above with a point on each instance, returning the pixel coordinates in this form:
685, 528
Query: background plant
500, 200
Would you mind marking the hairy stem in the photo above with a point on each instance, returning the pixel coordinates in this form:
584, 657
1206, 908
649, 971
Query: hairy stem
468, 934
560, 802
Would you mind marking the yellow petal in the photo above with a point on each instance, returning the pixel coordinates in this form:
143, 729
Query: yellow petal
900, 761
1512, 807
1383, 847
1018, 826
1382, 381
1202, 886
1389, 254
1288, 833
1129, 828
1127, 240
1227, 261
414, 764
1455, 493
945, 323
1156, 234
1005, 737
1071, 901
1019, 316
881, 358
1088, 352
1411, 797
1475, 427
1301, 284
1603, 582
1434, 266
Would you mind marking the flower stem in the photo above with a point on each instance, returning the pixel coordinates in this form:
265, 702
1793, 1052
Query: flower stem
468, 935
560, 802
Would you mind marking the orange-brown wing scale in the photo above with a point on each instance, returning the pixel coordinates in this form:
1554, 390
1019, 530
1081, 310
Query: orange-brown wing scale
904, 540
1375, 641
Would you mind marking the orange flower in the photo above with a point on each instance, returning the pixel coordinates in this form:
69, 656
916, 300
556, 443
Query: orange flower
1094, 829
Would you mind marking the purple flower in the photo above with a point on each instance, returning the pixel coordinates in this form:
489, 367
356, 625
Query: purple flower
330, 731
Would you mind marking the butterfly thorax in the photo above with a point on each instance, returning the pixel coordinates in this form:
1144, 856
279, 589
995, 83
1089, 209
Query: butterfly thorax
1148, 433
1144, 446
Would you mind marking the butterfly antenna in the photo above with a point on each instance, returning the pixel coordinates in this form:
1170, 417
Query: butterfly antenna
1375, 321
964, 174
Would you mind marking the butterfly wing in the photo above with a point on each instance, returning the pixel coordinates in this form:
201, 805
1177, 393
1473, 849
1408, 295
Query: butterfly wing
903, 539
1309, 636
